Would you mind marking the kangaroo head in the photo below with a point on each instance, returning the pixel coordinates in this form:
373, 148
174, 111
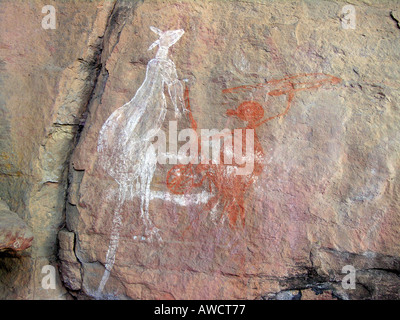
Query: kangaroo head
166, 38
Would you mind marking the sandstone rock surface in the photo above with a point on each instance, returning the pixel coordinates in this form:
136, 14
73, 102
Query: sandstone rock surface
46, 76
14, 233
330, 167
326, 189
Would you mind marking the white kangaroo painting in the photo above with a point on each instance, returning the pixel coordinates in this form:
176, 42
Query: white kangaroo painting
125, 149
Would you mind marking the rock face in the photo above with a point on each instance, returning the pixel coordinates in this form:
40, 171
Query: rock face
47, 77
14, 233
70, 267
321, 198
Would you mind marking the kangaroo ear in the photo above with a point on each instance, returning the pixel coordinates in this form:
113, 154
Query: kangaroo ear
155, 43
155, 30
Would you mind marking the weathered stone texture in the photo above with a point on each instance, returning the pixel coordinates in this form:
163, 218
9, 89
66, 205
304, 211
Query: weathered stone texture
14, 233
330, 179
47, 77
328, 192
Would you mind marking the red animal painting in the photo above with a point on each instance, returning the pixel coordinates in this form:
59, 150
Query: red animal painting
229, 189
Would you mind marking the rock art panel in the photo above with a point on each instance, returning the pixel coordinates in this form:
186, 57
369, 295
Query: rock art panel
284, 89
127, 154
125, 148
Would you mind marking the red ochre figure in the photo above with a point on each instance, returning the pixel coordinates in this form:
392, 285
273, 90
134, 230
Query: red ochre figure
228, 188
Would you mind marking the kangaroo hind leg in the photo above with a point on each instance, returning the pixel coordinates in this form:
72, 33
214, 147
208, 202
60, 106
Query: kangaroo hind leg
148, 168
